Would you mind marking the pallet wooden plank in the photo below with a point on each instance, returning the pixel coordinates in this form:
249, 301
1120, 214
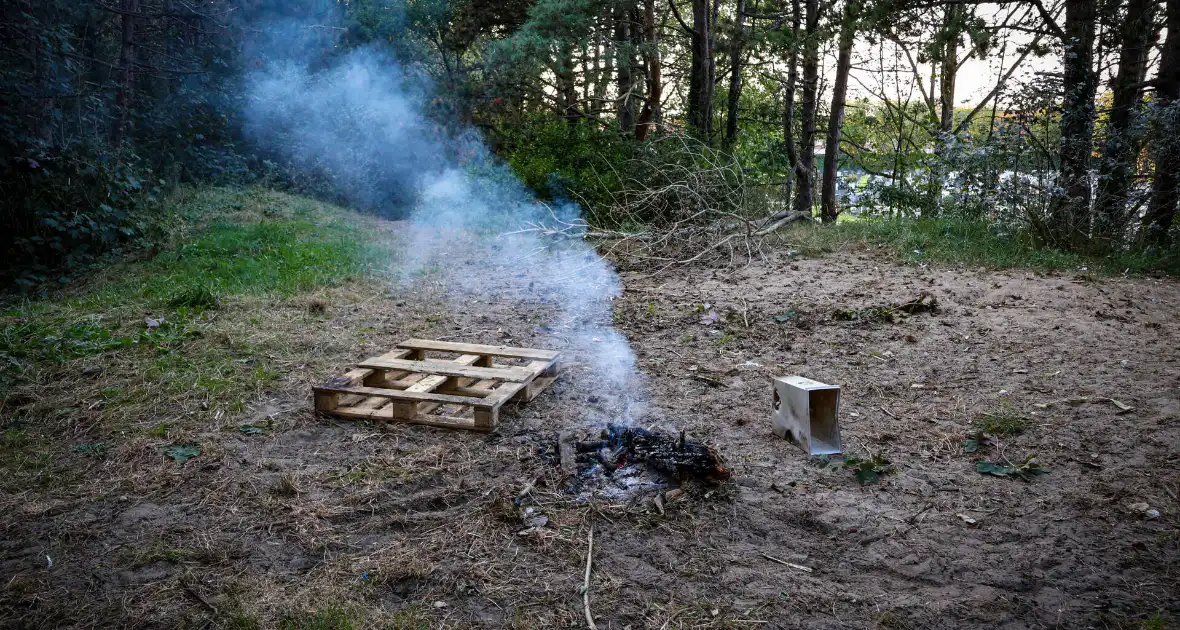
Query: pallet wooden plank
397, 394
450, 368
475, 348
446, 422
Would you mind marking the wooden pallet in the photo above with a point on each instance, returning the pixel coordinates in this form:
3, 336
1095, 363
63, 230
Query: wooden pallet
407, 385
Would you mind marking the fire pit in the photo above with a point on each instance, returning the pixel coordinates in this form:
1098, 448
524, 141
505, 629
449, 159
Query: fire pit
626, 458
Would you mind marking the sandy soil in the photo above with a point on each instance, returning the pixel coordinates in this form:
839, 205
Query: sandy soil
318, 520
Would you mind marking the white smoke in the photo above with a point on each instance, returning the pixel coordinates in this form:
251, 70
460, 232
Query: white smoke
357, 122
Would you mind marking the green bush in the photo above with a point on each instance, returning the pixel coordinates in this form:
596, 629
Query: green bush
69, 210
558, 160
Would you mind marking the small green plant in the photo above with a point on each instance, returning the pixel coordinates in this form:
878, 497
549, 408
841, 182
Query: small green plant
97, 450
651, 309
330, 618
726, 338
195, 296
160, 430
686, 338
1003, 421
977, 441
866, 470
869, 470
182, 452
1025, 470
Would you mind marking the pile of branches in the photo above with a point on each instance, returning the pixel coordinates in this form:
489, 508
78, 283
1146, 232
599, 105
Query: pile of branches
692, 201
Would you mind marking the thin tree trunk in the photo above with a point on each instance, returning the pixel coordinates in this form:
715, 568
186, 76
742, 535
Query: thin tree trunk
1165, 187
830, 207
1070, 207
623, 67
566, 86
735, 76
1122, 142
650, 117
126, 93
805, 169
700, 83
789, 104
950, 69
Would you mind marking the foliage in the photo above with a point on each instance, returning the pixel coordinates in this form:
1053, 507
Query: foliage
182, 452
1025, 470
977, 441
865, 470
956, 241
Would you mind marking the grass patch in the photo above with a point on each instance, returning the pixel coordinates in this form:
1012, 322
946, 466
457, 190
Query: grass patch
279, 246
1003, 421
329, 618
966, 242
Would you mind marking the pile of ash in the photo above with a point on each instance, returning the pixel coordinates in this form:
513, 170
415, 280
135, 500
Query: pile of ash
626, 460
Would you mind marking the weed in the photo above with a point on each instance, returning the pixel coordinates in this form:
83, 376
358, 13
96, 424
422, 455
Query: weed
332, 617
866, 471
687, 338
196, 296
1003, 420
977, 441
651, 309
726, 338
285, 486
182, 452
97, 450
160, 430
1025, 470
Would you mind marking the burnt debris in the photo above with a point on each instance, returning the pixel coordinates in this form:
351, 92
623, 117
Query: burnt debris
622, 446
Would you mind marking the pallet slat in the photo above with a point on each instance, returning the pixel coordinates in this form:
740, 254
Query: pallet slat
448, 368
475, 348
404, 386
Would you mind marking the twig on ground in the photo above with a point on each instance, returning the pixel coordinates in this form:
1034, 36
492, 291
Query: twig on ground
586, 582
786, 564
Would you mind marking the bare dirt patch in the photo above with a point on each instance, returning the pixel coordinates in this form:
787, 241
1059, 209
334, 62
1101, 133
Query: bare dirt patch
321, 521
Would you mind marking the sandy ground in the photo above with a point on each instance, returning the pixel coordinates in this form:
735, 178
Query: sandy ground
322, 520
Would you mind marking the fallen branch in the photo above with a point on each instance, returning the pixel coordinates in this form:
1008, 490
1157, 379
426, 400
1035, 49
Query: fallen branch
788, 217
586, 582
786, 564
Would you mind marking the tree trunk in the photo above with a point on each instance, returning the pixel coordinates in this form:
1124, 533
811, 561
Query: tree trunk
830, 207
789, 104
567, 89
700, 81
1165, 187
624, 60
126, 93
735, 76
950, 68
651, 115
805, 170
1122, 144
1070, 208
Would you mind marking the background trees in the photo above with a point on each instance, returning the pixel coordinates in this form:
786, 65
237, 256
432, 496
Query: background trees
1073, 136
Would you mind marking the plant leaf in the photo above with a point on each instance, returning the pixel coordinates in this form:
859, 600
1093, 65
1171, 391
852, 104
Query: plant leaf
998, 470
183, 452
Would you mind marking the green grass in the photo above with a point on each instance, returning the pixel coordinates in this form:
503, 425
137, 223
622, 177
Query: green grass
176, 330
1003, 420
966, 242
213, 259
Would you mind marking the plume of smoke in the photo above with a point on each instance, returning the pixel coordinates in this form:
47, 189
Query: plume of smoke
358, 120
